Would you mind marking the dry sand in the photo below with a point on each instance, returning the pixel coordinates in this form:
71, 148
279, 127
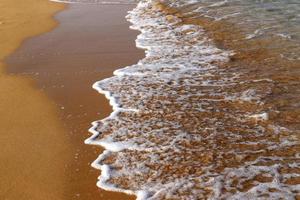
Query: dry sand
33, 150
90, 42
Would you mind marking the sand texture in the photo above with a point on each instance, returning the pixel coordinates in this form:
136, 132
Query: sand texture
63, 66
30, 133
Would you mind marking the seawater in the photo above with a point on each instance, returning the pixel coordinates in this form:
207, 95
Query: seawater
212, 111
110, 2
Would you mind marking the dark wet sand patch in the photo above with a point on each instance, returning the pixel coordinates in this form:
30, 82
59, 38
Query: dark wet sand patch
88, 45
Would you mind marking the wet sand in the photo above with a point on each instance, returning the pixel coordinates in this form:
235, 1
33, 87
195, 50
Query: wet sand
88, 45
33, 151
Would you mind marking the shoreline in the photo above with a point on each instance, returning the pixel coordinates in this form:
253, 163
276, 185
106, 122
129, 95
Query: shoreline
88, 45
65, 66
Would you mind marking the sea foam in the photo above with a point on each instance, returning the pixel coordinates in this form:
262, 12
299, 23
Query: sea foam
184, 127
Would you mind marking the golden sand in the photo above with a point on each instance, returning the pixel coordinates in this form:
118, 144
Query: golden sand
30, 133
69, 168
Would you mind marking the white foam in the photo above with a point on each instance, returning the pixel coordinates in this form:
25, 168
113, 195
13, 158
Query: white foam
177, 80
260, 116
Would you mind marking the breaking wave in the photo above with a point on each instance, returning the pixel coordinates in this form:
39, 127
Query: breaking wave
190, 120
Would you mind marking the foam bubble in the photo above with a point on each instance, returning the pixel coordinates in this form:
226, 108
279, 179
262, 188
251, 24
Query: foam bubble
182, 125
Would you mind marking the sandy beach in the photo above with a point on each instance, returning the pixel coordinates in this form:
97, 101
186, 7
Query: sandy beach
31, 134
47, 98
207, 108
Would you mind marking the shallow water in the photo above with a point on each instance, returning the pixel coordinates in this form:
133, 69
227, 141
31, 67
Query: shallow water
118, 2
212, 111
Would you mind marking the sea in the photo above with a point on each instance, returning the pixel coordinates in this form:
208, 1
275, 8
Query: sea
213, 110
